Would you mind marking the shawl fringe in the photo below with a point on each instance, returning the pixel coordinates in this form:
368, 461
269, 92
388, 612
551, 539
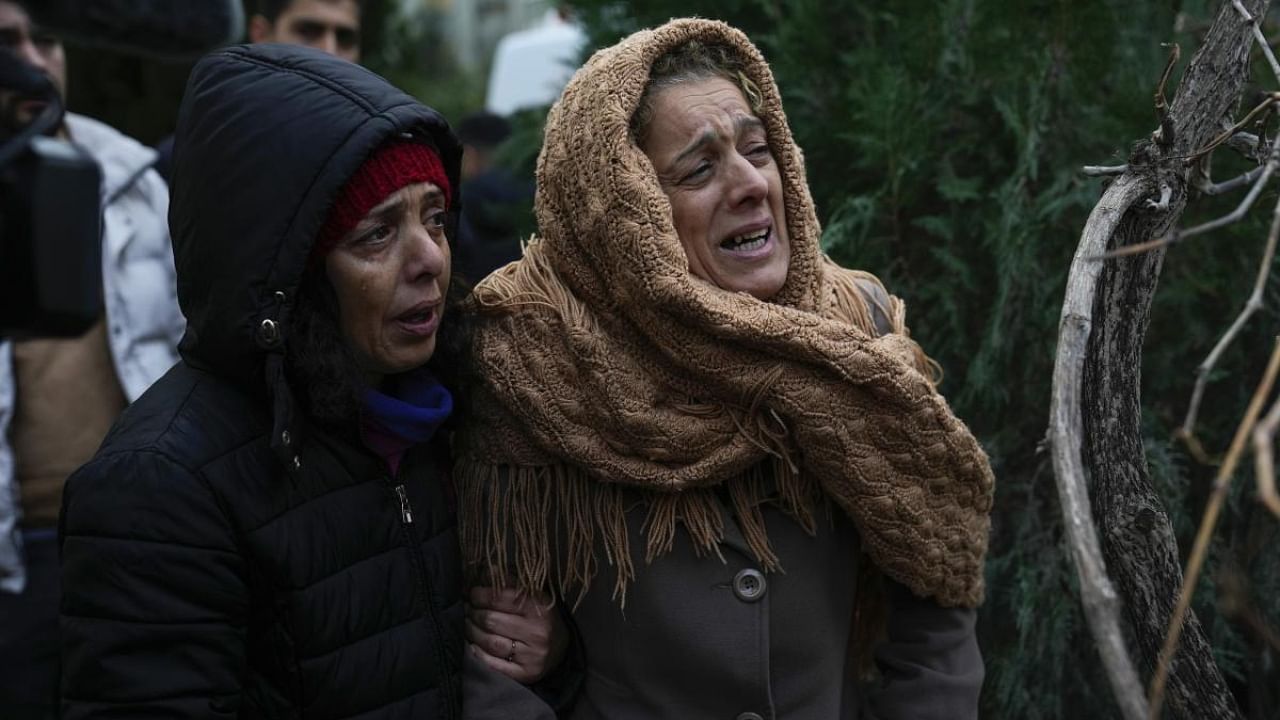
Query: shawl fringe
546, 527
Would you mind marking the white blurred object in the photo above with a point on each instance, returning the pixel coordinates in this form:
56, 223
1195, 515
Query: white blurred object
531, 67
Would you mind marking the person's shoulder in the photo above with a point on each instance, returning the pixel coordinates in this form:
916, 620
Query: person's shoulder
96, 136
879, 303
121, 157
190, 417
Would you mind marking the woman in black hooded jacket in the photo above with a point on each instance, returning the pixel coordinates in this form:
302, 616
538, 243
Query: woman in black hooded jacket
269, 530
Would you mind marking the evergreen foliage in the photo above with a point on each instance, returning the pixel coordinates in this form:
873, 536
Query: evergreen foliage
943, 142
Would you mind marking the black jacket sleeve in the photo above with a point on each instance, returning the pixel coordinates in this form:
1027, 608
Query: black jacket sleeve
154, 597
930, 664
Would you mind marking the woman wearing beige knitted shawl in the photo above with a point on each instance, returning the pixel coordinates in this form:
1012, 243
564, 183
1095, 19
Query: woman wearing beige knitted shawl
690, 425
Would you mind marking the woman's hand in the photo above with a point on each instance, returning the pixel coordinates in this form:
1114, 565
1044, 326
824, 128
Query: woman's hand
520, 636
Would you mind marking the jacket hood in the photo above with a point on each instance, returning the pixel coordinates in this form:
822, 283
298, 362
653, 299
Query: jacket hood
267, 136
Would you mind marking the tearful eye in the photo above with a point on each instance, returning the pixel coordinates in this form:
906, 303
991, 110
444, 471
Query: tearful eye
434, 220
375, 235
698, 173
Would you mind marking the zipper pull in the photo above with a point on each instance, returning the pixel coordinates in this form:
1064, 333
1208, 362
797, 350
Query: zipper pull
406, 512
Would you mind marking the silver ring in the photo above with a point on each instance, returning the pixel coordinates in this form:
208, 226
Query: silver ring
511, 656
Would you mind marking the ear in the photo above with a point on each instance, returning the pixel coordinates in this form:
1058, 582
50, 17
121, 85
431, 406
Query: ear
260, 29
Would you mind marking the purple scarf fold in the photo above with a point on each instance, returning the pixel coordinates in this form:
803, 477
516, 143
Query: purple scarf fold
392, 423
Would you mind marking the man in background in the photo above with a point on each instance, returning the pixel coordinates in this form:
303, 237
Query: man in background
58, 397
496, 204
329, 25
332, 26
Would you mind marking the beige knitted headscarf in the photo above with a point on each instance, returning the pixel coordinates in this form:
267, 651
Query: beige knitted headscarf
605, 364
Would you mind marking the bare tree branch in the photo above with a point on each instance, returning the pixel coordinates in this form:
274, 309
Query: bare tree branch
1176, 236
1104, 170
1231, 185
1263, 438
1259, 37
1101, 602
1099, 422
1220, 486
1253, 304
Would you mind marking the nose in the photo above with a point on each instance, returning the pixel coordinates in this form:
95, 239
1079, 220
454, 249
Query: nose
328, 42
26, 50
748, 184
428, 257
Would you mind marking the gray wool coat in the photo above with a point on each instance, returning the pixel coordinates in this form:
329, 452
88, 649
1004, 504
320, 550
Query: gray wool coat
704, 638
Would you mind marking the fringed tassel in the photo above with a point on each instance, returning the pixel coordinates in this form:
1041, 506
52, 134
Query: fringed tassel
533, 282
535, 528
858, 297
698, 510
850, 301
800, 495
927, 366
542, 528
747, 493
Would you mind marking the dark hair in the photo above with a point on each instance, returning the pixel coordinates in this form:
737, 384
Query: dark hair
692, 61
271, 9
323, 370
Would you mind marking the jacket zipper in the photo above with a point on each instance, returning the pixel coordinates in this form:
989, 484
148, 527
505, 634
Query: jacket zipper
406, 511
420, 565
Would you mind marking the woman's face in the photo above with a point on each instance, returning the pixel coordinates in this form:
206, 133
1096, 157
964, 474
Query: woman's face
714, 164
391, 274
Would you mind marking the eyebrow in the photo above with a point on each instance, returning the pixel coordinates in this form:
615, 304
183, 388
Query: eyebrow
707, 136
390, 207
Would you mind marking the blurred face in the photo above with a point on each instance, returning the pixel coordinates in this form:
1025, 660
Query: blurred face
391, 275
36, 48
715, 166
329, 25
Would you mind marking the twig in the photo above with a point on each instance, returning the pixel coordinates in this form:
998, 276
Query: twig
1264, 466
1165, 138
1257, 35
1220, 485
1249, 145
1104, 170
1273, 162
1227, 186
1098, 595
1227, 134
1252, 305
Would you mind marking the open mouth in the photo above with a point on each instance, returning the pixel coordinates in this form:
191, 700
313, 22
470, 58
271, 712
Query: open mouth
417, 316
747, 242
421, 320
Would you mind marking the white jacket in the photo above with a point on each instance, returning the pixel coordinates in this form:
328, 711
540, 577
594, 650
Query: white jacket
140, 294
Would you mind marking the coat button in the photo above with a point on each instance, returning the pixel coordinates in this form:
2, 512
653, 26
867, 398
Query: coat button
749, 585
750, 716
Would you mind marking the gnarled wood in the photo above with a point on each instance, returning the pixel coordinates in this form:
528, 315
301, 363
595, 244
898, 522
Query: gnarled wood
1102, 348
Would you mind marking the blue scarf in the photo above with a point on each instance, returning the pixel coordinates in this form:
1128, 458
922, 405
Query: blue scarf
392, 423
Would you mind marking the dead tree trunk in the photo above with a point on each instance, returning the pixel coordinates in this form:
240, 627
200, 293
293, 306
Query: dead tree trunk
1104, 324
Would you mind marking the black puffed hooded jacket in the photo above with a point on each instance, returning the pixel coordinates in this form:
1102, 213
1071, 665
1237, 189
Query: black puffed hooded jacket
223, 557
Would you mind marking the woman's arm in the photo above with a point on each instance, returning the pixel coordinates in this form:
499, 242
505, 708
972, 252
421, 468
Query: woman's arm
154, 601
930, 664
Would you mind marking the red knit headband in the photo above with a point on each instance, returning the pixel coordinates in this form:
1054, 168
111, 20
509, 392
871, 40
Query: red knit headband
392, 166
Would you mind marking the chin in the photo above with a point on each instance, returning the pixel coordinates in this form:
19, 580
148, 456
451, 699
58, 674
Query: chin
408, 359
764, 288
